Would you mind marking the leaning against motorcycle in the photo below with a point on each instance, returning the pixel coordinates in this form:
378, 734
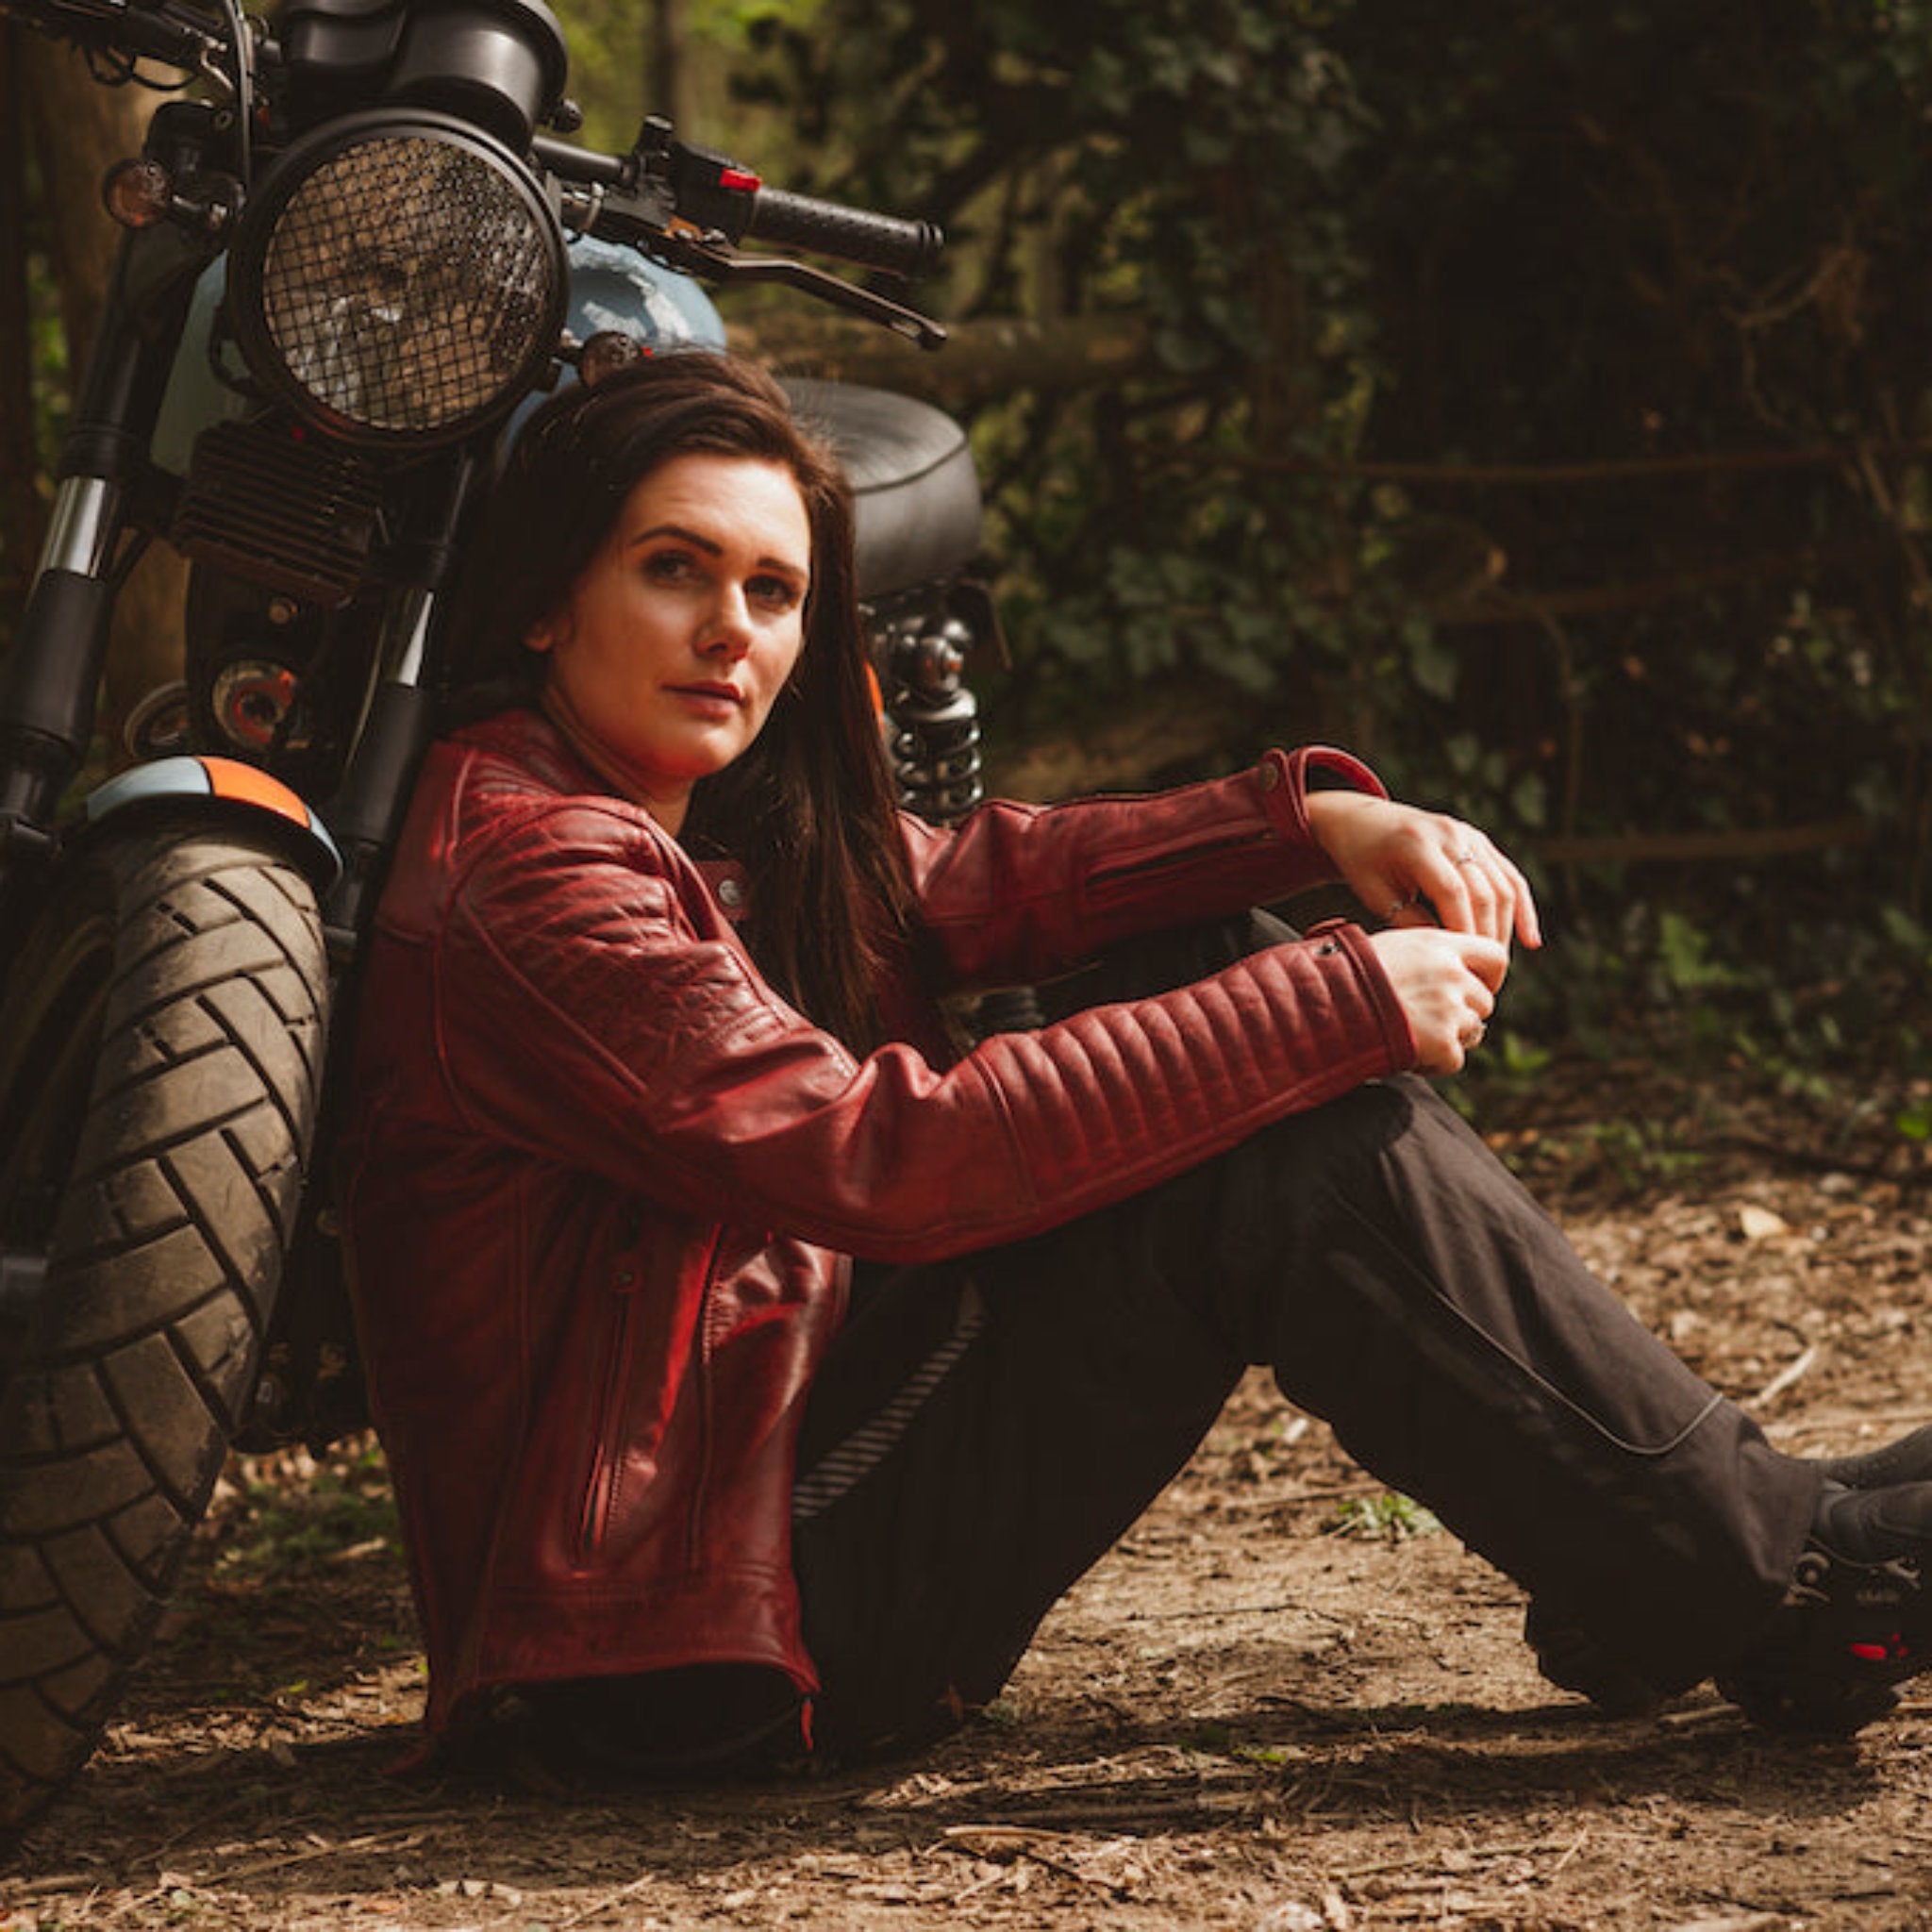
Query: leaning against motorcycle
351, 257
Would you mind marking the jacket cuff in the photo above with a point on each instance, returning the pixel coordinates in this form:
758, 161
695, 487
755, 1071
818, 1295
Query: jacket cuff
1289, 776
1397, 1035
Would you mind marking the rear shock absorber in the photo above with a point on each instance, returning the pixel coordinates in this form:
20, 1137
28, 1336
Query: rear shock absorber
933, 736
934, 719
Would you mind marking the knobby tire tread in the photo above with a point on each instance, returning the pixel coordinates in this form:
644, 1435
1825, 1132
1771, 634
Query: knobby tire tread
166, 1255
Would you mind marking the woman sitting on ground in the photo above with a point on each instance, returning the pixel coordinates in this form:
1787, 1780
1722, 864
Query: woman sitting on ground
757, 1364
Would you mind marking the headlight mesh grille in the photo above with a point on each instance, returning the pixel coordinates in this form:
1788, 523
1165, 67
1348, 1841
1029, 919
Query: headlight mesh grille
406, 283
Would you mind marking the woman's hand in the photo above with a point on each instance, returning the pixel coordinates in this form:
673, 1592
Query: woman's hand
1447, 984
1393, 856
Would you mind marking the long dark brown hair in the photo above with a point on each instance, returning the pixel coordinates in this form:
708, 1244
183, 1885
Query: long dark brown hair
809, 807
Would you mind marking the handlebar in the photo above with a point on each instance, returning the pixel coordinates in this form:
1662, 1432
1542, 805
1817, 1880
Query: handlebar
688, 207
664, 180
148, 29
853, 234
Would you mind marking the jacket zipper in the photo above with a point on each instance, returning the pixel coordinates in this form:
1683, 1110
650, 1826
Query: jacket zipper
607, 1454
695, 1522
1182, 852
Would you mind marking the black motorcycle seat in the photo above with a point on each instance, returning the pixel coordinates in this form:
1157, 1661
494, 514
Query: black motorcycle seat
916, 494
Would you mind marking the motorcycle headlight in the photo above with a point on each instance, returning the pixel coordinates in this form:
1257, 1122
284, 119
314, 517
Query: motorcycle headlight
397, 280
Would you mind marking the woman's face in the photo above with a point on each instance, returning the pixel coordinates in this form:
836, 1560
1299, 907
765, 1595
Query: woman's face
672, 645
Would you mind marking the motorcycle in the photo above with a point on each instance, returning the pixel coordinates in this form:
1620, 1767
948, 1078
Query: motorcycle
357, 247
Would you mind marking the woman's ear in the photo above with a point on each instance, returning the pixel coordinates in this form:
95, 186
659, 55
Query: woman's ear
544, 634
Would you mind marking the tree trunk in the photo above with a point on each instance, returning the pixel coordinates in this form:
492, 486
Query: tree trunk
78, 129
20, 514
667, 71
982, 360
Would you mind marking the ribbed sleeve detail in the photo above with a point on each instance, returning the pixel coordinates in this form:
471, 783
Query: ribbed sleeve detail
591, 1005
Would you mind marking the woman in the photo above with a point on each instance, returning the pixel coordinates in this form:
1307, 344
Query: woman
756, 1367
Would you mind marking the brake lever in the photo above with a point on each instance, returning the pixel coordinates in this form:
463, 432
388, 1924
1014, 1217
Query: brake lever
719, 261
115, 28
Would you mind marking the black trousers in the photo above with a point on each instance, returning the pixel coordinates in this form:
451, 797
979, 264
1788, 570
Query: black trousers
983, 1429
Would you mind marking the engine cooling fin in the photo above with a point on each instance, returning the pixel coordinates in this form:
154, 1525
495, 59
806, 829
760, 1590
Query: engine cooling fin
279, 509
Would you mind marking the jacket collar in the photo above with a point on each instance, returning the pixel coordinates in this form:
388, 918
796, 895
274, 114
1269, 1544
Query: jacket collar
529, 740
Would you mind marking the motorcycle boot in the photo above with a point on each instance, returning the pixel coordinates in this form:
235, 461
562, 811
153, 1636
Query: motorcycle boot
1906, 1460
1856, 1622
1571, 1656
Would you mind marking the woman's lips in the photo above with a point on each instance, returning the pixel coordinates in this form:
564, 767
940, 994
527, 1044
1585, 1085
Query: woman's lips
722, 695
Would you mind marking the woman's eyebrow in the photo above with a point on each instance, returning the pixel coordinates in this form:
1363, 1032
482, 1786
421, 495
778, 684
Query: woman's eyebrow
677, 530
708, 546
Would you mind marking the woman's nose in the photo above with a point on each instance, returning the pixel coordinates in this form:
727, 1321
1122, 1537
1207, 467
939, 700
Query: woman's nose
728, 630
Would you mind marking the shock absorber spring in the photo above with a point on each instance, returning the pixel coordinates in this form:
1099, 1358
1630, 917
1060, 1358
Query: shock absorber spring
933, 731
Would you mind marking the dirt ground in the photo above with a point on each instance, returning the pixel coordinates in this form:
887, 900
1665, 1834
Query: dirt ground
1287, 1701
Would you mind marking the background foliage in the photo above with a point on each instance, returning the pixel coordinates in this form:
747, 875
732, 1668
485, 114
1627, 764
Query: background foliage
1534, 399
1531, 397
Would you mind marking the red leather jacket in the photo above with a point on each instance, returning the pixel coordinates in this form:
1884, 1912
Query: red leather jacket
600, 1180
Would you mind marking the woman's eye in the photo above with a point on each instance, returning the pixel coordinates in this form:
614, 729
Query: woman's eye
668, 566
779, 594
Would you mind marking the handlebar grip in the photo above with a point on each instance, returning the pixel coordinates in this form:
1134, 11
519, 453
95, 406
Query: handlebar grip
853, 234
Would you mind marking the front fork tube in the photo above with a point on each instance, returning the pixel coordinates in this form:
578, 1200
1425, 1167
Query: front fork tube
367, 812
51, 675
50, 681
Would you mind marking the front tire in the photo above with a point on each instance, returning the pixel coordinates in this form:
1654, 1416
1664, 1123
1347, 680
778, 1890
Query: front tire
161, 1041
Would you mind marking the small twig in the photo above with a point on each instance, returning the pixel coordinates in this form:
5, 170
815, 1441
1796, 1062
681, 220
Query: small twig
993, 1841
1809, 1158
401, 1841
1784, 1377
1697, 1714
604, 1904
294, 1822
1600, 470
1735, 845
1199, 1612
1473, 1852
55, 1882
1901, 1416
1582, 1840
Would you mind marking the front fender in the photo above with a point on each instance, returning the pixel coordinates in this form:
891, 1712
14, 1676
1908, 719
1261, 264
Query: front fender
232, 789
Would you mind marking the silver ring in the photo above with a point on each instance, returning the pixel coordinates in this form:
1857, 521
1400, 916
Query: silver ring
1467, 856
1471, 1040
